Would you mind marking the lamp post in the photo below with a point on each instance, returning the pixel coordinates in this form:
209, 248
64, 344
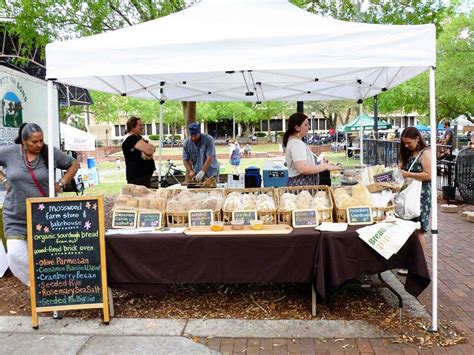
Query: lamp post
313, 115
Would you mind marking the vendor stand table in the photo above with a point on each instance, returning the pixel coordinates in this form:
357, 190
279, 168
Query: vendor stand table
146, 263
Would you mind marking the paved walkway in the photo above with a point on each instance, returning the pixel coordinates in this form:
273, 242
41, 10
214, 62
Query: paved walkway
151, 336
455, 304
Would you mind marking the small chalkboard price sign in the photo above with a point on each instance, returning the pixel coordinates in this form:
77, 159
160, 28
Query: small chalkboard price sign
245, 216
305, 218
359, 215
149, 219
66, 250
124, 219
200, 218
384, 177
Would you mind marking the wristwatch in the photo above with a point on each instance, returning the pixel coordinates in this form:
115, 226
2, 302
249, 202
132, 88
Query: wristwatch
61, 184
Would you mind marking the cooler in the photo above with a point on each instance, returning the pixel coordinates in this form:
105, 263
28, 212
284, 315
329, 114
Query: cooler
252, 177
275, 173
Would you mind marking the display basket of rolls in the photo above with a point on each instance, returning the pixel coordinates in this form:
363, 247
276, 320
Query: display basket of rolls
357, 195
302, 198
183, 201
141, 199
263, 200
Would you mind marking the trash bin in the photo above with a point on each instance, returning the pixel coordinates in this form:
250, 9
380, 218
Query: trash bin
91, 163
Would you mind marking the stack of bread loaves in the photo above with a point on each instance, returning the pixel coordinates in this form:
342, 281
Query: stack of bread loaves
136, 197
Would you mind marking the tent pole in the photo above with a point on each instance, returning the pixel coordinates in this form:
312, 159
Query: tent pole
51, 171
161, 143
376, 128
361, 140
434, 205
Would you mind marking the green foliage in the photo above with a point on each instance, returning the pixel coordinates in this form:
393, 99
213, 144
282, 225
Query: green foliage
261, 134
154, 137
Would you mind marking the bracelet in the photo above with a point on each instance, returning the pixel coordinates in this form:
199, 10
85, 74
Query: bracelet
61, 183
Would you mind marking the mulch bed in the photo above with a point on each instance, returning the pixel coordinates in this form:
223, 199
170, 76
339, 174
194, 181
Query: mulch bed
251, 301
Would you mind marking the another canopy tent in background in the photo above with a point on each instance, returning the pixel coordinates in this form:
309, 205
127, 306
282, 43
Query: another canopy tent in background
367, 123
249, 50
76, 140
422, 128
461, 121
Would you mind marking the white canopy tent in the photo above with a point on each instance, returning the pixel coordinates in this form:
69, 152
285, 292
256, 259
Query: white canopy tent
251, 50
77, 140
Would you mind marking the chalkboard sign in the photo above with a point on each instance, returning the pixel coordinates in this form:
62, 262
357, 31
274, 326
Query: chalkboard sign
149, 219
305, 218
245, 216
359, 215
200, 218
124, 219
66, 251
384, 177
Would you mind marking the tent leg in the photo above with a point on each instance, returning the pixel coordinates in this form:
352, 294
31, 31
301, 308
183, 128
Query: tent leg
434, 205
51, 105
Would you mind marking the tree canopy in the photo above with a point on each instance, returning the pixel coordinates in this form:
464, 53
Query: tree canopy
40, 22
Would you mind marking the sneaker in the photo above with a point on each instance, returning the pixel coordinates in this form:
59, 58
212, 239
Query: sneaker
403, 272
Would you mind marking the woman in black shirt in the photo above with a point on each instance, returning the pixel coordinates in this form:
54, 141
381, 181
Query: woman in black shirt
138, 154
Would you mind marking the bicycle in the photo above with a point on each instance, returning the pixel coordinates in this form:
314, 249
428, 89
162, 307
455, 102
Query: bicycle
172, 175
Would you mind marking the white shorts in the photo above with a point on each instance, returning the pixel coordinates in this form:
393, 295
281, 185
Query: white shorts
17, 257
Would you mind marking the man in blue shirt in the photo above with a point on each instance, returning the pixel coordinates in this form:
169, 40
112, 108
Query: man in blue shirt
199, 154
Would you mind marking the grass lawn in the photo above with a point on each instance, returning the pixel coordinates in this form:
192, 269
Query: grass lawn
112, 179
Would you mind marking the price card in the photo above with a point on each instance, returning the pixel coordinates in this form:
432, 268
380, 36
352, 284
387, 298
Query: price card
359, 215
149, 219
385, 177
200, 218
124, 219
305, 218
245, 216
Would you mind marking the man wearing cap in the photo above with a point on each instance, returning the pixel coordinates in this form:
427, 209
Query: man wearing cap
199, 154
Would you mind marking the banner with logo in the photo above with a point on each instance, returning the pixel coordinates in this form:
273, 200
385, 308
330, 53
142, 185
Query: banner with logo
24, 98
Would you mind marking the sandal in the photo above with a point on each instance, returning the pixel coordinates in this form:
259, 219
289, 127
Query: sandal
403, 272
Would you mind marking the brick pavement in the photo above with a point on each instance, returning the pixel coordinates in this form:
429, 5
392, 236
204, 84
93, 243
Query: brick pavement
455, 300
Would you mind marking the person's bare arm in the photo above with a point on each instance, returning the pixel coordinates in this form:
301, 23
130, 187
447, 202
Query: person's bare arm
145, 147
304, 168
190, 173
68, 176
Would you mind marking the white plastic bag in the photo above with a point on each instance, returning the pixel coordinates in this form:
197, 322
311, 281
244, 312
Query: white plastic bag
407, 202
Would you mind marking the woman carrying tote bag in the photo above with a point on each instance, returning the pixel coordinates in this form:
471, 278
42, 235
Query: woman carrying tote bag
411, 145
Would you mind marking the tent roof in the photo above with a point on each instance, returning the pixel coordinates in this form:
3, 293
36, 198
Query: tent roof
77, 140
245, 50
366, 121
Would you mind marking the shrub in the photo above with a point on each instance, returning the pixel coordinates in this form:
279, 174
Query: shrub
261, 134
154, 137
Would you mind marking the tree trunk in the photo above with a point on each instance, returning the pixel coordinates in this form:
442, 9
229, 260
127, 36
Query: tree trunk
189, 113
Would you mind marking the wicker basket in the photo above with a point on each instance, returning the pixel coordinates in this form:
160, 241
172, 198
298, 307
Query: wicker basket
378, 213
268, 217
181, 219
324, 214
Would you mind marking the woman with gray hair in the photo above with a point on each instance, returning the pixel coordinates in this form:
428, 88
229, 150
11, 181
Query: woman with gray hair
26, 164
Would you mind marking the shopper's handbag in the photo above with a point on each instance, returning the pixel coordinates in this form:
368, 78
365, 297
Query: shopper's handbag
408, 200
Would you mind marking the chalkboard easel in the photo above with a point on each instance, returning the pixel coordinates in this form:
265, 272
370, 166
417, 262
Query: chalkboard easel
66, 251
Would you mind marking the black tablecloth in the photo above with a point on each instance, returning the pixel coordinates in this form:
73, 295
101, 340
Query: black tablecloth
141, 262
144, 263
344, 256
